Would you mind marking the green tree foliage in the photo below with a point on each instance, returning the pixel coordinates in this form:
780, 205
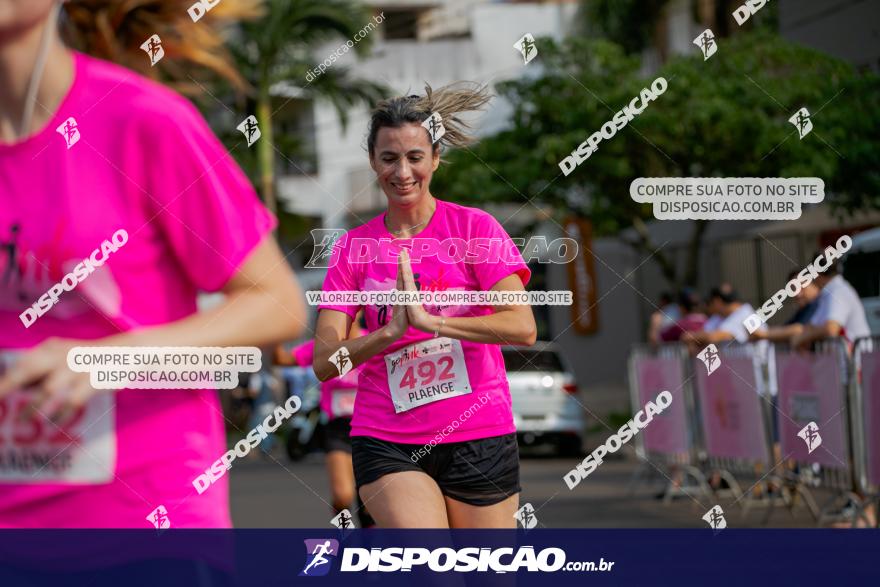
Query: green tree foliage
725, 117
628, 23
283, 46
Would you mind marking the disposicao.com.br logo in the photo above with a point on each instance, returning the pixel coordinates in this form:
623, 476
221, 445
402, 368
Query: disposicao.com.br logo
320, 553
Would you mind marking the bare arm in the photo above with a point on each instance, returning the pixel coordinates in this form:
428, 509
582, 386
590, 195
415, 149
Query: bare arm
283, 357
333, 328
778, 334
264, 306
506, 325
330, 335
702, 337
811, 333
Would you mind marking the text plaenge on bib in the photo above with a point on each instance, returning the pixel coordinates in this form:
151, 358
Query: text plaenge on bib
400, 390
426, 372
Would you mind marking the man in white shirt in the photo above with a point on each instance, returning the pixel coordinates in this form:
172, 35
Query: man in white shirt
727, 321
839, 312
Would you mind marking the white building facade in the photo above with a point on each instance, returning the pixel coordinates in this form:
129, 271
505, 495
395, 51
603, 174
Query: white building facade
418, 42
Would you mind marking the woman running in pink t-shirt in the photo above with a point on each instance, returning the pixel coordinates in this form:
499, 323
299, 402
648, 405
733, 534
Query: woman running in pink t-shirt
135, 157
433, 440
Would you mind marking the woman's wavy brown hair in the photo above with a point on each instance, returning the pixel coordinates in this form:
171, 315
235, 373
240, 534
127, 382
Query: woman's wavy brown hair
449, 102
115, 29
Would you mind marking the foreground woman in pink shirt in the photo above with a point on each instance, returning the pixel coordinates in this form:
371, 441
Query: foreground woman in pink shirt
130, 156
433, 440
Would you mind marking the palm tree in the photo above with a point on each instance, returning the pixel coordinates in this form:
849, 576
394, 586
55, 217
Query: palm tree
280, 47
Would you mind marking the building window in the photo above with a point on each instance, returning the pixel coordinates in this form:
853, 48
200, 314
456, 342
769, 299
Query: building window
400, 24
295, 137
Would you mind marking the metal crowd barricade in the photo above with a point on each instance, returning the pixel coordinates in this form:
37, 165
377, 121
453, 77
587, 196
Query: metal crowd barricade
735, 414
866, 424
669, 444
815, 429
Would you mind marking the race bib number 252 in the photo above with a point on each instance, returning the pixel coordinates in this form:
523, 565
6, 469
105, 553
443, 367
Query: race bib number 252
80, 448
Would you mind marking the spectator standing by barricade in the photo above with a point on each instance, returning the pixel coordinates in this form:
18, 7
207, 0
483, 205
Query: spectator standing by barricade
692, 317
808, 302
839, 311
731, 312
665, 316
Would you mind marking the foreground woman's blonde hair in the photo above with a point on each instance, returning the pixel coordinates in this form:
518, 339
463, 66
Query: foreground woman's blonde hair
114, 30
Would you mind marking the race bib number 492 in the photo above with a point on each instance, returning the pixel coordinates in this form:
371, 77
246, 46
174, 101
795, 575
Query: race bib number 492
80, 448
426, 372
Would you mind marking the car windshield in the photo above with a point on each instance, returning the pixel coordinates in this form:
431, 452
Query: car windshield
531, 360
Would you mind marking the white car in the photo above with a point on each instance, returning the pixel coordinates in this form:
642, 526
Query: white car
546, 406
861, 268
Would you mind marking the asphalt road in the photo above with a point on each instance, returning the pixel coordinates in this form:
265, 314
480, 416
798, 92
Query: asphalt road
277, 493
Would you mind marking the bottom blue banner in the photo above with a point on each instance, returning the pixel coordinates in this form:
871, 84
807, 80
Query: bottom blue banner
266, 558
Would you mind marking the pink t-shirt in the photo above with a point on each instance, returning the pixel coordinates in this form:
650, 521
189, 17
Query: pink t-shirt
339, 391
304, 353
145, 162
688, 323
375, 413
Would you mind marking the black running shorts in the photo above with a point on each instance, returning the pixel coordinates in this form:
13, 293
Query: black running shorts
477, 472
336, 435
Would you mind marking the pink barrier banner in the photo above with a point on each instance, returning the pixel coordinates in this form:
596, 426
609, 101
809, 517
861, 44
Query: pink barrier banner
667, 432
871, 395
811, 392
730, 410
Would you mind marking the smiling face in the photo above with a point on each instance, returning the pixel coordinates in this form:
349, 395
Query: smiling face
404, 162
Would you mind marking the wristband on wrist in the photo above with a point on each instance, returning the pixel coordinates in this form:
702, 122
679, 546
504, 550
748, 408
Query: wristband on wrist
442, 322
